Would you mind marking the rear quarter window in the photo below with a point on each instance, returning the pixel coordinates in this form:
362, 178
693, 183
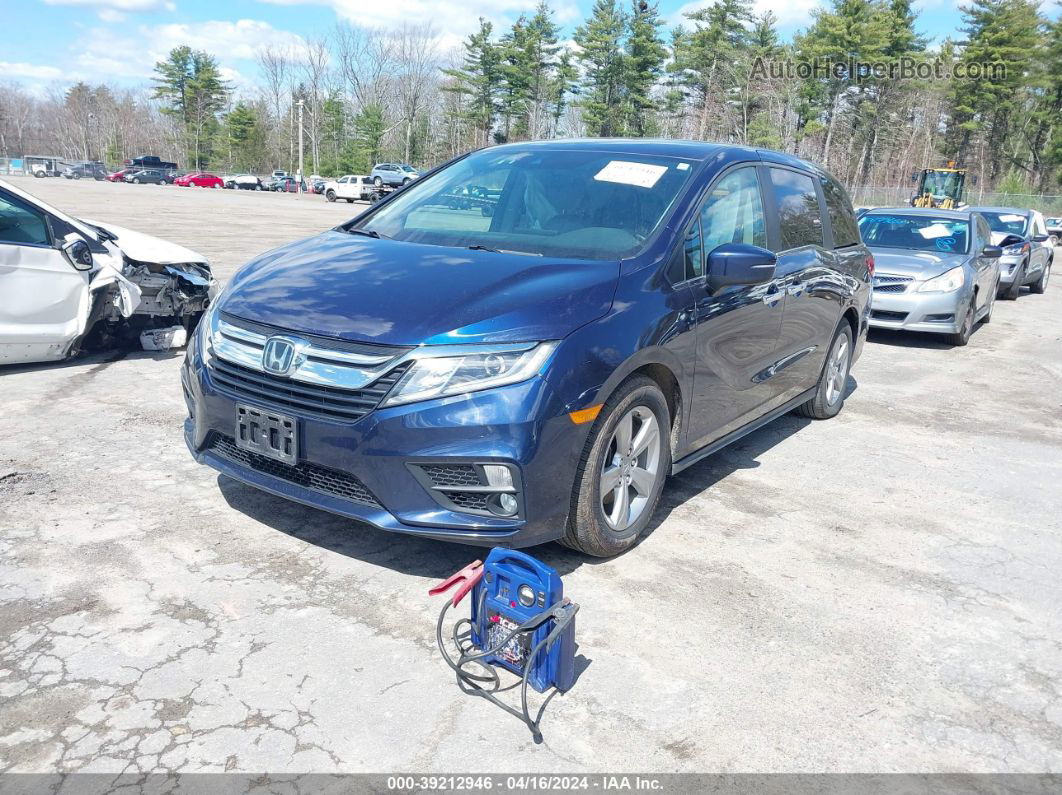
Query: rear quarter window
842, 216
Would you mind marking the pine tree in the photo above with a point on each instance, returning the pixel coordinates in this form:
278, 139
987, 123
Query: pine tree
643, 65
1001, 33
600, 39
189, 81
480, 79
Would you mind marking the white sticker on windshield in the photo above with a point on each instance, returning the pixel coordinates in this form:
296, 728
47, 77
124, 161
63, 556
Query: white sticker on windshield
624, 172
934, 231
1010, 219
683, 166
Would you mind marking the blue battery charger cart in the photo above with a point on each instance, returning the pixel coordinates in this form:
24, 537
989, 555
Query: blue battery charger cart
520, 621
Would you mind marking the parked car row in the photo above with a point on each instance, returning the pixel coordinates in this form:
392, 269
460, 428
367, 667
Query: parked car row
941, 271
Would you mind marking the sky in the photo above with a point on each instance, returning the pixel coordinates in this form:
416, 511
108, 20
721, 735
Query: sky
48, 43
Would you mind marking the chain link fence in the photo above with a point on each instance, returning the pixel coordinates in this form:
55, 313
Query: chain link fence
1047, 203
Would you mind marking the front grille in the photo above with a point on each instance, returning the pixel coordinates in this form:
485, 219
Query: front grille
309, 476
882, 314
453, 475
468, 500
318, 341
304, 399
888, 283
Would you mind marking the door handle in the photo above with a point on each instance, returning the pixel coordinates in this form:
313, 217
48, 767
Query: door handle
795, 288
773, 297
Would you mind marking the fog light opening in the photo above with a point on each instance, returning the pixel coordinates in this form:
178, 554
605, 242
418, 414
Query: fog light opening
505, 504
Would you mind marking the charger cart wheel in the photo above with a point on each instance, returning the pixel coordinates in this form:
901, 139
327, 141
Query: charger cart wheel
828, 399
1040, 285
622, 471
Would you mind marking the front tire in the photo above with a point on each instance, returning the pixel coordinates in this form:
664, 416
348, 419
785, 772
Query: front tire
621, 473
960, 338
330, 195
1040, 285
828, 399
377, 181
136, 180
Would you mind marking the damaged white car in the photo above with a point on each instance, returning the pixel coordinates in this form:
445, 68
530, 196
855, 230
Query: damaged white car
68, 284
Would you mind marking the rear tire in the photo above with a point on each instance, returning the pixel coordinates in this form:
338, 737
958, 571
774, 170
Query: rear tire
1040, 285
639, 475
828, 399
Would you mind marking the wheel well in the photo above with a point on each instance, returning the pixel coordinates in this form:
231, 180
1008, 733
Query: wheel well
852, 317
665, 379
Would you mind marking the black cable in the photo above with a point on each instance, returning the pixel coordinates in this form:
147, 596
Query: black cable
562, 613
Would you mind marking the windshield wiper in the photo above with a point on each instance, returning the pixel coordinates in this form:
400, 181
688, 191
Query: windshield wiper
478, 247
367, 233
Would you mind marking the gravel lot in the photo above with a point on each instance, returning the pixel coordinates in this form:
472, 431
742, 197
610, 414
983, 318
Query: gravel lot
880, 592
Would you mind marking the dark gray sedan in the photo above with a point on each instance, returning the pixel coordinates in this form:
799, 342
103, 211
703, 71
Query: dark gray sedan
934, 270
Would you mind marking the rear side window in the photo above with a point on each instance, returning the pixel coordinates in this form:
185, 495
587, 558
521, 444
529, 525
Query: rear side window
799, 220
733, 211
842, 217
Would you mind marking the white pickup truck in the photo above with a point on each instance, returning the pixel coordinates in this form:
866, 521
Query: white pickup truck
350, 187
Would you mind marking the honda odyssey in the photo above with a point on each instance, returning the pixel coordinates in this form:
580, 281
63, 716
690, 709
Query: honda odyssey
532, 364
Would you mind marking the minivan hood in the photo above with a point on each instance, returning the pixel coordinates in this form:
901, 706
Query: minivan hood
916, 264
386, 291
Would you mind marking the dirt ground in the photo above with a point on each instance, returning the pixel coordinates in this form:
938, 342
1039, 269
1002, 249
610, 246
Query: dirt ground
880, 592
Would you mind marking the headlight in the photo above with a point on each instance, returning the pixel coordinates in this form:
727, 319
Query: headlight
436, 372
947, 282
1016, 249
205, 331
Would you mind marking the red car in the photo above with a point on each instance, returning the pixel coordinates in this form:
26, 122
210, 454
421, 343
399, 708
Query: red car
118, 176
200, 179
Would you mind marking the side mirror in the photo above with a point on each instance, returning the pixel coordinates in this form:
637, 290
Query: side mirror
77, 252
992, 252
914, 176
1040, 238
739, 264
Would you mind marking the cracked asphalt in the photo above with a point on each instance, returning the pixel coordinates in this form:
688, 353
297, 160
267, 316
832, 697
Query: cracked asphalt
876, 593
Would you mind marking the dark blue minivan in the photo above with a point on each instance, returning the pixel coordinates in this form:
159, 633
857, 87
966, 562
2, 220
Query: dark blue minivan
524, 343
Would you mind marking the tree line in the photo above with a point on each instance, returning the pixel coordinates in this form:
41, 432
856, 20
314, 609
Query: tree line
370, 95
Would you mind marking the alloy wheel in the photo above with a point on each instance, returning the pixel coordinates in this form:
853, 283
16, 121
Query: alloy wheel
837, 370
630, 469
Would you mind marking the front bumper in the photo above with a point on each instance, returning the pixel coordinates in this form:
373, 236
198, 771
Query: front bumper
1008, 266
523, 426
937, 313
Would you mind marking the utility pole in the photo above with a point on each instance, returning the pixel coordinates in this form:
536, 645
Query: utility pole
298, 186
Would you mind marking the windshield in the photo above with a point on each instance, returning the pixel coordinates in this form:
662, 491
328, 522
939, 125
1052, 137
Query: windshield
558, 202
1054, 221
942, 183
1007, 223
407, 168
917, 232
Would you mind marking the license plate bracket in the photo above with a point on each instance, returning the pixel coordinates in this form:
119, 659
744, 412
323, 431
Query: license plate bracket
267, 433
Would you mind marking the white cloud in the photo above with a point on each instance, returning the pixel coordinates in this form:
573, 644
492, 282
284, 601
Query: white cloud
30, 70
791, 15
104, 54
110, 15
119, 5
452, 20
